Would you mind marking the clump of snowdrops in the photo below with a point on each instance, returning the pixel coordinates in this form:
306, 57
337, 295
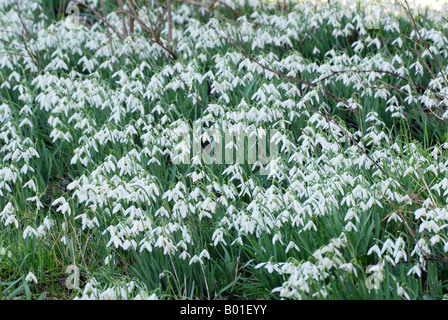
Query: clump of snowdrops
354, 205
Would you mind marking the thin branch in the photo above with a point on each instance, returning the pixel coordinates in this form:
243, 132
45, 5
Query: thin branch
283, 6
123, 19
104, 17
405, 5
170, 24
153, 34
96, 13
25, 29
131, 18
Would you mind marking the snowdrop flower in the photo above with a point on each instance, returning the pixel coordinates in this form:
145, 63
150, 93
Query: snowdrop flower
415, 270
271, 267
29, 230
3, 252
31, 277
402, 293
108, 259
195, 259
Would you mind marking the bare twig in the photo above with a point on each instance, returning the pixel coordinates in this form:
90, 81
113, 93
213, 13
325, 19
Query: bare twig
123, 19
24, 40
108, 33
100, 16
153, 33
170, 24
131, 18
405, 5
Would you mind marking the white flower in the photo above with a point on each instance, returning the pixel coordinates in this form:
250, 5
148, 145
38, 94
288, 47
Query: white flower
415, 270
204, 254
402, 293
3, 252
31, 277
29, 230
108, 259
195, 259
